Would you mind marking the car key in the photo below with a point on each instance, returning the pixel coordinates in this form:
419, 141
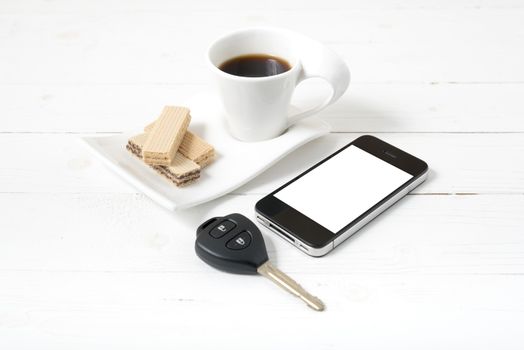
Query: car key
234, 244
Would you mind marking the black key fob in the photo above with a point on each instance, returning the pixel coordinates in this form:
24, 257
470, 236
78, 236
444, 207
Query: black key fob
231, 243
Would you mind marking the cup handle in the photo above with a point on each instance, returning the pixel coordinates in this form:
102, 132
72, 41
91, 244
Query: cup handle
320, 61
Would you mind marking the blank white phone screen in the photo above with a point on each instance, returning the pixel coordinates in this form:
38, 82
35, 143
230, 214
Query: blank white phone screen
343, 188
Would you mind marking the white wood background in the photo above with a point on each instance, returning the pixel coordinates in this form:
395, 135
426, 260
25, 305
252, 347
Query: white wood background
86, 262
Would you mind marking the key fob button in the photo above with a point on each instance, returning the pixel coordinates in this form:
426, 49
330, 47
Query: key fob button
228, 252
222, 228
240, 241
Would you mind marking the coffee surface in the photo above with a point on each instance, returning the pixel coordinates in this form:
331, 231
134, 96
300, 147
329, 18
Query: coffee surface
255, 65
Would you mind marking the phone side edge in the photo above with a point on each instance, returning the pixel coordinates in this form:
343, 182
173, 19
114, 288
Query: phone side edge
302, 246
402, 193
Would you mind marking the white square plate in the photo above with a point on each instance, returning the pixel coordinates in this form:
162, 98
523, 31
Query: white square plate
236, 162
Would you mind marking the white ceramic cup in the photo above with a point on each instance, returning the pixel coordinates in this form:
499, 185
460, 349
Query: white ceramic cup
257, 108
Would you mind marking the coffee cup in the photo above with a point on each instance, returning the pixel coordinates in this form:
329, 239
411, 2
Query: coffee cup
256, 95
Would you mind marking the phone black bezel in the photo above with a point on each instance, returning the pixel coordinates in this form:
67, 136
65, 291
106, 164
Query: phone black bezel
309, 231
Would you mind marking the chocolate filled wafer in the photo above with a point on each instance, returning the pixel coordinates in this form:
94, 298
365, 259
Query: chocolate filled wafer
165, 137
196, 149
181, 171
193, 147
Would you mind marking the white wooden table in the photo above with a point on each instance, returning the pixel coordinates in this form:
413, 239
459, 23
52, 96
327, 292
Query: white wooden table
87, 262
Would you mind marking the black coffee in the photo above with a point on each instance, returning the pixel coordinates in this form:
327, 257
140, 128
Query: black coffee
255, 65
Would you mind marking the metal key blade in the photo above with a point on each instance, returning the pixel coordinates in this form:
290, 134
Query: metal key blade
287, 283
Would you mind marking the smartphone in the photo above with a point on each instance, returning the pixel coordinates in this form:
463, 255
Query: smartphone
326, 204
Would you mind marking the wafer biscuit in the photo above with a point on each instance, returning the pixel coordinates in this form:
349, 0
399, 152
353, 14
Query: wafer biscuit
166, 136
181, 171
193, 147
196, 149
149, 127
